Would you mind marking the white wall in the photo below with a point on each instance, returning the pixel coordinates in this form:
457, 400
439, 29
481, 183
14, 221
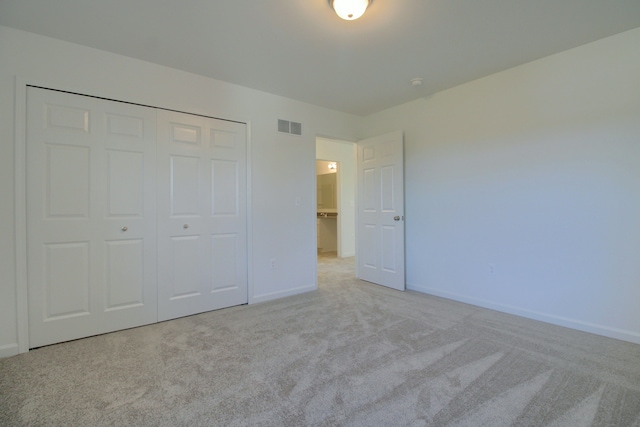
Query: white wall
536, 172
344, 153
279, 229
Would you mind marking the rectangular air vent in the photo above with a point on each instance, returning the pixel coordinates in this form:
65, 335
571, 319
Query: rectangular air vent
293, 128
296, 128
283, 126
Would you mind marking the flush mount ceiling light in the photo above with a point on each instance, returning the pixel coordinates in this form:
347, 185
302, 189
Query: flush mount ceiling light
350, 9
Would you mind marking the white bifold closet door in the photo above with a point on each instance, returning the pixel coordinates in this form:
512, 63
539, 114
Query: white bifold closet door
134, 215
91, 216
202, 262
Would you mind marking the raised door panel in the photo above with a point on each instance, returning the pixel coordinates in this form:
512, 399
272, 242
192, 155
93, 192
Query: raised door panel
369, 200
184, 186
125, 183
224, 262
68, 116
186, 132
67, 183
130, 127
66, 280
124, 284
369, 206
387, 189
388, 245
224, 185
369, 251
185, 278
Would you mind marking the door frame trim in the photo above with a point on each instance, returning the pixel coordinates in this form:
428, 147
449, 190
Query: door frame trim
20, 213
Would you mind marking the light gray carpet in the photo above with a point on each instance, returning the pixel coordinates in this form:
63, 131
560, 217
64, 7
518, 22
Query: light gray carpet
352, 354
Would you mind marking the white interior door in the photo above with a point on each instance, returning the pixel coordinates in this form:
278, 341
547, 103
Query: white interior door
380, 252
201, 214
90, 216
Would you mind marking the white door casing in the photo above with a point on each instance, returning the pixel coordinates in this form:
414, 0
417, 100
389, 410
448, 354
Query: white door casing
380, 253
202, 261
90, 216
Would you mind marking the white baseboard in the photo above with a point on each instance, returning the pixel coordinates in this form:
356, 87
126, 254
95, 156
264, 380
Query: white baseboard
276, 295
579, 325
9, 350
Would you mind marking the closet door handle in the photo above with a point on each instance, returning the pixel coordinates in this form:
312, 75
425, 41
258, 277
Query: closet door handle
185, 226
125, 228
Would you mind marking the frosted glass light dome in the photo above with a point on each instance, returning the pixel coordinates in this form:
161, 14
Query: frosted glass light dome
350, 9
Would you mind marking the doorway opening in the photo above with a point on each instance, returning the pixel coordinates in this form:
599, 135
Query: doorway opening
336, 206
327, 206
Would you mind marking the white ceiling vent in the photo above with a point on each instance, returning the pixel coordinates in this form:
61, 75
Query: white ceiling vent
286, 126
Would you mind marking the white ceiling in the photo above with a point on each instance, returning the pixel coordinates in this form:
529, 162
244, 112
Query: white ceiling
301, 50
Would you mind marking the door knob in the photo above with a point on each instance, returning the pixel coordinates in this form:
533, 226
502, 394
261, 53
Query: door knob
124, 228
396, 218
185, 226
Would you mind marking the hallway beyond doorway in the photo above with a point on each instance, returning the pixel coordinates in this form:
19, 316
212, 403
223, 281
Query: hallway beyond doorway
333, 270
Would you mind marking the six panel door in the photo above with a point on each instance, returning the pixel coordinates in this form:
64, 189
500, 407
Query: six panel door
90, 216
380, 254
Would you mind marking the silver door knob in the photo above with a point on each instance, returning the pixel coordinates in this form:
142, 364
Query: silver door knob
396, 218
124, 228
185, 226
